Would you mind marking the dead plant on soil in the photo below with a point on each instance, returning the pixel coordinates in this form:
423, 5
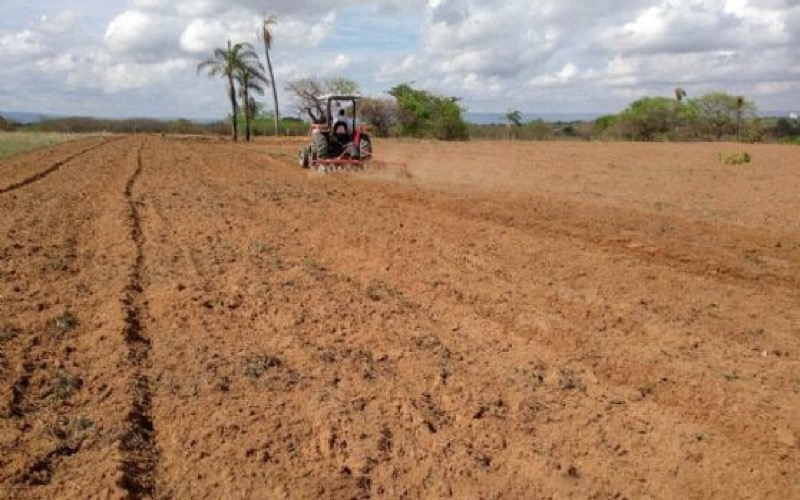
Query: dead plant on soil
313, 268
257, 365
66, 322
71, 432
569, 381
8, 332
62, 385
536, 374
380, 291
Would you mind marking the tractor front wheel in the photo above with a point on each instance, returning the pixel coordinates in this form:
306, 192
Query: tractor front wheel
320, 145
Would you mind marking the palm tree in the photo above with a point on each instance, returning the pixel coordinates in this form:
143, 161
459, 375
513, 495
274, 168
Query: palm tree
739, 106
226, 63
266, 36
250, 79
513, 117
680, 94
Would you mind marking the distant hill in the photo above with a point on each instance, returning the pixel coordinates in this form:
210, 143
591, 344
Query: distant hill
499, 117
24, 117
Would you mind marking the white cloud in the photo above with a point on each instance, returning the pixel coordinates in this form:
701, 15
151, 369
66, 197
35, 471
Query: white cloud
565, 75
16, 47
124, 76
142, 35
59, 23
492, 53
339, 64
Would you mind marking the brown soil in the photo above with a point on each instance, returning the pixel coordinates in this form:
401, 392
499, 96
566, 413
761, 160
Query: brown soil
189, 318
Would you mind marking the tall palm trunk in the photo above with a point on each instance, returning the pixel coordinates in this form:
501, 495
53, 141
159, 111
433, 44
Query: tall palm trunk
739, 104
274, 93
232, 95
247, 110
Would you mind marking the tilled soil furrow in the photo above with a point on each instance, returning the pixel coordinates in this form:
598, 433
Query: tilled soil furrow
52, 168
138, 444
63, 397
282, 334
19, 389
572, 314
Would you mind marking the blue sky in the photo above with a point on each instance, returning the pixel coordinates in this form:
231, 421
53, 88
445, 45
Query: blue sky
139, 57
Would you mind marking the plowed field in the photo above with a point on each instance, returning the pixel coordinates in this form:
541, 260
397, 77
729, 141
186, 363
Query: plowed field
187, 318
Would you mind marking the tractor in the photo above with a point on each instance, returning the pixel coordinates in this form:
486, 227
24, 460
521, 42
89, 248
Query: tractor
337, 142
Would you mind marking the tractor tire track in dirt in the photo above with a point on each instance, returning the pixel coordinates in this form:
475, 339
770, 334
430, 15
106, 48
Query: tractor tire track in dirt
138, 445
52, 168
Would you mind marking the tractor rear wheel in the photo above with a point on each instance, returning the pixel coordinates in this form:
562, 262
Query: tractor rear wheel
320, 145
365, 147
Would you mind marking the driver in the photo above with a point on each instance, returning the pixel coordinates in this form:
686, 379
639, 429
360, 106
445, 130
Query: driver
340, 128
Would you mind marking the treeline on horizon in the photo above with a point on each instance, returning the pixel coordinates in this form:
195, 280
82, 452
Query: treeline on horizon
713, 117
180, 126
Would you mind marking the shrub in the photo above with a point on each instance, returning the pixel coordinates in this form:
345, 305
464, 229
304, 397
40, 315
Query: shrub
738, 159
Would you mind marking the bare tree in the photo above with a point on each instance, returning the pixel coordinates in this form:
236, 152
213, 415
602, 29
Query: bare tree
381, 113
307, 93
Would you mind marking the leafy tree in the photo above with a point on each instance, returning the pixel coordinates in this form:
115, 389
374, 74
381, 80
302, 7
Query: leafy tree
251, 79
648, 117
537, 130
226, 63
722, 113
266, 36
447, 123
422, 113
7, 125
605, 123
306, 93
787, 127
413, 109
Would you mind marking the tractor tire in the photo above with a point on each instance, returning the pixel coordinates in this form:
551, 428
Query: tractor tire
320, 146
365, 147
305, 154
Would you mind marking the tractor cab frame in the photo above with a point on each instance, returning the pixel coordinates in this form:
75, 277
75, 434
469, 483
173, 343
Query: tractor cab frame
339, 142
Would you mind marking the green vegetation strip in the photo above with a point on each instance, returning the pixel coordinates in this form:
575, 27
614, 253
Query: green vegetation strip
14, 143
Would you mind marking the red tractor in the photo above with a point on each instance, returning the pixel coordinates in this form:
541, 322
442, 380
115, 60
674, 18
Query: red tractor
337, 142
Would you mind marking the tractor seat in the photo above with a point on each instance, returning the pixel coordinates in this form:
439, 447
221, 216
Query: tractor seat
340, 131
